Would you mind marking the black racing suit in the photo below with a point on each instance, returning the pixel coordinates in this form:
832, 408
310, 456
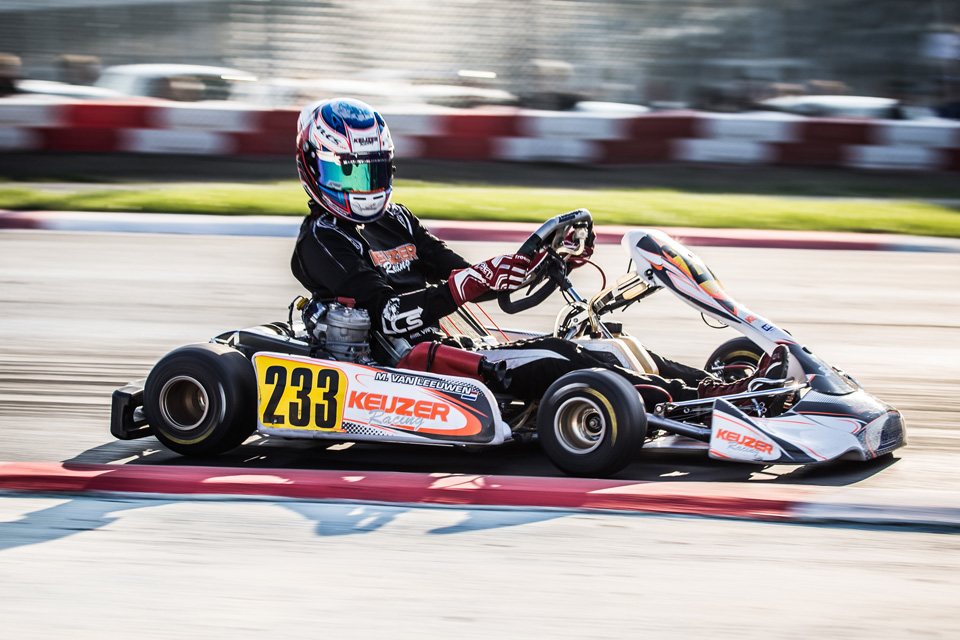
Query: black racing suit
397, 270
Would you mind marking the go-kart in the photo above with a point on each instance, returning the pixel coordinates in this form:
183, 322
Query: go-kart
327, 375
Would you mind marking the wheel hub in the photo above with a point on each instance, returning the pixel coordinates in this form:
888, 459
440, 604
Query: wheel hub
579, 425
184, 403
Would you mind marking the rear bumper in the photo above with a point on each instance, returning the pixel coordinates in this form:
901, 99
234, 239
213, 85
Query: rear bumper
127, 421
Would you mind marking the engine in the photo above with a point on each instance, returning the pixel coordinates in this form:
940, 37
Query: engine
341, 331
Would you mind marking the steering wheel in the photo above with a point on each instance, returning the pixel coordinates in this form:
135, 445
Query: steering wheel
551, 271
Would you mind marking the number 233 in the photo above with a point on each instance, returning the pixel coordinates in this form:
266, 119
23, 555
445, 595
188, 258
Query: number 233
311, 399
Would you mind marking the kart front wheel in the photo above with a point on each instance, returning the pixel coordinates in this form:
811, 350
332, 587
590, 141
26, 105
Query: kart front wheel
591, 423
734, 359
201, 400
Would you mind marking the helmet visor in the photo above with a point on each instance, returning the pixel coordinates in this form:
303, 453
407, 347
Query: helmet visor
352, 173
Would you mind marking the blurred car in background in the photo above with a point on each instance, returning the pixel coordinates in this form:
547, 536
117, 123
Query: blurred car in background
379, 91
847, 107
179, 82
65, 90
461, 96
595, 106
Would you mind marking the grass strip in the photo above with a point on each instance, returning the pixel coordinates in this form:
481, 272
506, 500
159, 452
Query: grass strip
459, 202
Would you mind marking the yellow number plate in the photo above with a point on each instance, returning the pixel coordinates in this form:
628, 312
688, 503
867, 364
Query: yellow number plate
300, 395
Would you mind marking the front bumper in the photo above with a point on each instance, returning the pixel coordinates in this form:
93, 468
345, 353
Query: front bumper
127, 420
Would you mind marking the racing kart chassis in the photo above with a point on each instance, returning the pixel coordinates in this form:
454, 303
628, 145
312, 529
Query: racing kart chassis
287, 379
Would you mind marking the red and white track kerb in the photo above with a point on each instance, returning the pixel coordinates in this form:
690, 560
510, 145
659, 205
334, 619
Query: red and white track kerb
784, 503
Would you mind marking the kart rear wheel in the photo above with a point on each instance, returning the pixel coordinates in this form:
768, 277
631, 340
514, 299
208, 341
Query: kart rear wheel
201, 400
591, 423
734, 359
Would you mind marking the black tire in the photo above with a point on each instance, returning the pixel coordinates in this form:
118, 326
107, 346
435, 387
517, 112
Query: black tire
591, 423
201, 400
734, 359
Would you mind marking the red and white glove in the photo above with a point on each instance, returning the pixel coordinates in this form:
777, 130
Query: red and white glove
503, 273
571, 244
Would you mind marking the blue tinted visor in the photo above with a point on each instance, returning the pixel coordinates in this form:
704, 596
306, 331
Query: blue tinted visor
356, 173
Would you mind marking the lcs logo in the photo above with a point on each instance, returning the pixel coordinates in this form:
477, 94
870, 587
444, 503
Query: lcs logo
395, 321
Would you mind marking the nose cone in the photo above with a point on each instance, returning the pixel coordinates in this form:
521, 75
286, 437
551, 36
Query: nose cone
886, 433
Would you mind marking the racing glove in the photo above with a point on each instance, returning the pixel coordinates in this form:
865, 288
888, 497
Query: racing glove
571, 243
503, 273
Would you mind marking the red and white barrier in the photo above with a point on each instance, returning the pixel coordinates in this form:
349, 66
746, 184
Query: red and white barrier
551, 149
770, 127
518, 135
176, 141
894, 157
722, 151
14, 138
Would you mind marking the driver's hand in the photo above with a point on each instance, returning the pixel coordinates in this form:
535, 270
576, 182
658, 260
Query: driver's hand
503, 273
571, 243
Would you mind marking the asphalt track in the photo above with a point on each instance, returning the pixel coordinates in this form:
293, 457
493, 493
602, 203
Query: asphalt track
83, 313
105, 569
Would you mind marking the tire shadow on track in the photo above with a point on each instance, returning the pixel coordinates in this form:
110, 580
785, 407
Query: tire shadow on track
652, 465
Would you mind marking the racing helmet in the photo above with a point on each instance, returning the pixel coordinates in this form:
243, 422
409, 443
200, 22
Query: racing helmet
345, 158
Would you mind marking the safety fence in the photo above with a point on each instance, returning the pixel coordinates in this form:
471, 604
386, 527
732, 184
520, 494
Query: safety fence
495, 134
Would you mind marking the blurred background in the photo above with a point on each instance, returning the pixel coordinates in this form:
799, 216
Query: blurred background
719, 55
189, 106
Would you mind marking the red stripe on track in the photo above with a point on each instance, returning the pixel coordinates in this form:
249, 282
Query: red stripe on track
737, 501
16, 220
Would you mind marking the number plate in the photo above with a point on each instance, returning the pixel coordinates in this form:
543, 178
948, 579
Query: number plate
299, 395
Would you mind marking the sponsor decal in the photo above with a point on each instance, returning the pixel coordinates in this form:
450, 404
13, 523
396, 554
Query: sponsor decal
367, 140
766, 327
406, 407
395, 322
332, 138
465, 391
368, 204
751, 319
296, 394
409, 414
484, 269
395, 260
746, 442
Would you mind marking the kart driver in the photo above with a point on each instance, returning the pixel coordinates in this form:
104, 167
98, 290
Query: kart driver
357, 244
